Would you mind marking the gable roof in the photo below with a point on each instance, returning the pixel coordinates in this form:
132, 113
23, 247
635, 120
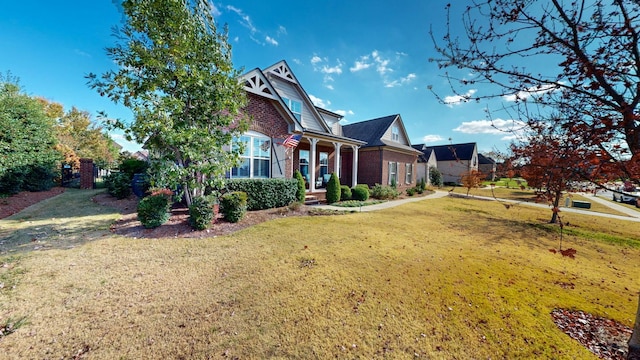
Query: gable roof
370, 131
452, 152
425, 153
482, 160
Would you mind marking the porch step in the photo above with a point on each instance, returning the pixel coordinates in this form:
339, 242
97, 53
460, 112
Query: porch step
311, 200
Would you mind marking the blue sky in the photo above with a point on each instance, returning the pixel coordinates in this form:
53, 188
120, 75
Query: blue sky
362, 59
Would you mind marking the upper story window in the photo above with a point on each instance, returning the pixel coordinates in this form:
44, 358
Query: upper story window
295, 107
395, 133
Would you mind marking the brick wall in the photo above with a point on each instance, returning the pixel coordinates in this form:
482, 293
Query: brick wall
402, 160
370, 171
86, 174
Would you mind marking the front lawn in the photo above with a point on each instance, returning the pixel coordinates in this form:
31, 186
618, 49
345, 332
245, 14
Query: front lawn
441, 278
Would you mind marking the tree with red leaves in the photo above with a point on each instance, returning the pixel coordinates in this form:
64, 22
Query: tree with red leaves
594, 45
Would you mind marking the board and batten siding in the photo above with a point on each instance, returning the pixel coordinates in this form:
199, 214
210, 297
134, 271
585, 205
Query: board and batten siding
287, 90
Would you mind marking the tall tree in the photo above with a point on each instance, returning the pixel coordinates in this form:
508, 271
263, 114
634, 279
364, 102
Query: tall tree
26, 138
581, 58
176, 75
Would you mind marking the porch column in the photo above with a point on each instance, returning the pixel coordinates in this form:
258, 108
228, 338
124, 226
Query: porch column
312, 164
354, 171
336, 165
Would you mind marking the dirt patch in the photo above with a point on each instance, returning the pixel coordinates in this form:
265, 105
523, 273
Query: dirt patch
18, 202
178, 224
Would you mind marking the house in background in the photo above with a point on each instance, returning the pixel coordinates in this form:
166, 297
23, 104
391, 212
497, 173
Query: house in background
454, 160
281, 110
487, 166
426, 160
387, 155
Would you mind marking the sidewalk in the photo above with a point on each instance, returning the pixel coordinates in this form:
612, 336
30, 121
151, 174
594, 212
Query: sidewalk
633, 215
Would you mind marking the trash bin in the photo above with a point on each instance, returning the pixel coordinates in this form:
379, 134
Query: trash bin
139, 184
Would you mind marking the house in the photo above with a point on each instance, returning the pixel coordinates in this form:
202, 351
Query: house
426, 160
453, 161
288, 132
487, 166
387, 156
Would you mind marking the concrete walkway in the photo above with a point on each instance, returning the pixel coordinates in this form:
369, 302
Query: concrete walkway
633, 215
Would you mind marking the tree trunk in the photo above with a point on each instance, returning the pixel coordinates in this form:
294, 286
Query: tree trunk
556, 203
634, 342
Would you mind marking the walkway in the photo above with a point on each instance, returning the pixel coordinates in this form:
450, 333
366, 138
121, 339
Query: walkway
633, 215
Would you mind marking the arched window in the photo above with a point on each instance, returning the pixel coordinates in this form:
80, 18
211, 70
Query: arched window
256, 158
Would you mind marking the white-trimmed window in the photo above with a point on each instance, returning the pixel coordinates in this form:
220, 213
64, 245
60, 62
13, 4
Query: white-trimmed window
304, 164
408, 177
324, 167
255, 160
395, 133
295, 107
393, 173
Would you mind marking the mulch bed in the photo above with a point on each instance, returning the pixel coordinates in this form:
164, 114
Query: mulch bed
18, 202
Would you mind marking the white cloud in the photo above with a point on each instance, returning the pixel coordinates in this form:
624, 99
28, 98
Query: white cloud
82, 53
297, 61
532, 91
329, 86
361, 64
246, 20
282, 30
344, 112
319, 102
316, 59
214, 11
432, 138
381, 64
511, 129
459, 99
401, 81
271, 40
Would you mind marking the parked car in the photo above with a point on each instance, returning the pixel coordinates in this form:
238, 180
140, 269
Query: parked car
627, 194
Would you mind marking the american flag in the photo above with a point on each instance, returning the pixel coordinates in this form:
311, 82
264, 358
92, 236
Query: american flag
292, 141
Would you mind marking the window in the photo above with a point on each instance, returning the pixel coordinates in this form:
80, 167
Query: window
395, 133
409, 174
393, 173
255, 160
304, 164
324, 166
295, 107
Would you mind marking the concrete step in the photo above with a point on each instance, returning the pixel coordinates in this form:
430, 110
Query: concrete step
311, 200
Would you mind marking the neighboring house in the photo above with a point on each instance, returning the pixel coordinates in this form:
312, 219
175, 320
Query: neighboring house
426, 160
387, 155
280, 108
453, 161
487, 166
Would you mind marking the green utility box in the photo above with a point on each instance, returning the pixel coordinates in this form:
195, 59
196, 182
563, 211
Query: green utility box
582, 204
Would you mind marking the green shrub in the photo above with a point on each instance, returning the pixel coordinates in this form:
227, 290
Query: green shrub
153, 210
345, 193
201, 213
265, 193
233, 205
39, 178
131, 166
394, 183
300, 191
422, 185
118, 185
360, 192
435, 176
384, 192
333, 189
11, 181
411, 191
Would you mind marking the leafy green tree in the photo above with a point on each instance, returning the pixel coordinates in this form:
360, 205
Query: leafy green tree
176, 75
27, 138
300, 192
435, 176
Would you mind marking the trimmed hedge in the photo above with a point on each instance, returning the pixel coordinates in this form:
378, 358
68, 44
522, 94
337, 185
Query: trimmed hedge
383, 192
265, 193
345, 193
333, 189
153, 210
233, 205
300, 192
201, 213
360, 192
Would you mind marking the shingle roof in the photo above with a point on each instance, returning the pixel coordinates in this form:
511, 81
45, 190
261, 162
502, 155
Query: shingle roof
450, 152
370, 131
485, 160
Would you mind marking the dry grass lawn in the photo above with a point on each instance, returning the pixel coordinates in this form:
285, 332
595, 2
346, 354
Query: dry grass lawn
439, 279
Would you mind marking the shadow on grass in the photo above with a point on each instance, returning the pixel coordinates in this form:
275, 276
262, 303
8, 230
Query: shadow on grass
62, 222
